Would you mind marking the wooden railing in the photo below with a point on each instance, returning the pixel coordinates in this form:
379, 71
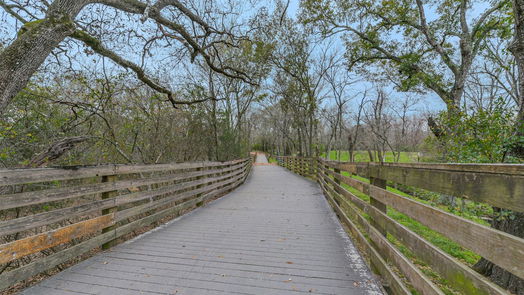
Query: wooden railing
501, 186
299, 165
52, 216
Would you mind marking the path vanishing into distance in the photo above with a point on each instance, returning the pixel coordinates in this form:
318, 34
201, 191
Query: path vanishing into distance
276, 234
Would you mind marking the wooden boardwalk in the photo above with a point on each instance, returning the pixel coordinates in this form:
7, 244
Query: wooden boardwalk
276, 234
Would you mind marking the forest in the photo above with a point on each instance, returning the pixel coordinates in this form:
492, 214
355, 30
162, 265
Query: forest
91, 82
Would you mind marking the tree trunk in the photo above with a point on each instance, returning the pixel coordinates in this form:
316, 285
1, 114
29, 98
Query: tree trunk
371, 157
515, 224
351, 147
36, 40
500, 276
517, 49
56, 150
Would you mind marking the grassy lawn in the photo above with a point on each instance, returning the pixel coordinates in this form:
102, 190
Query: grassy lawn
363, 156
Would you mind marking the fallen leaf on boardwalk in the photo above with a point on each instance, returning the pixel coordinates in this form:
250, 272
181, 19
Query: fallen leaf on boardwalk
193, 257
288, 280
220, 256
289, 262
311, 290
105, 262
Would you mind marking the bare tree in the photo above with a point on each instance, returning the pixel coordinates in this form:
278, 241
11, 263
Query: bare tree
38, 38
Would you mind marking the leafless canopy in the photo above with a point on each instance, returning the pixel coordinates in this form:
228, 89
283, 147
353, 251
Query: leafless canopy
200, 29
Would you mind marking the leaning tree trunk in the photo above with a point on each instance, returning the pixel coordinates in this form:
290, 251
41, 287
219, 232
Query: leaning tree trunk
36, 40
514, 223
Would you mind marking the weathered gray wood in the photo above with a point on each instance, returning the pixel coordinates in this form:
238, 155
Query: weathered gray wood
34, 268
419, 281
496, 168
379, 182
502, 186
393, 281
268, 237
124, 214
25, 176
58, 194
44, 218
41, 265
507, 250
459, 275
110, 210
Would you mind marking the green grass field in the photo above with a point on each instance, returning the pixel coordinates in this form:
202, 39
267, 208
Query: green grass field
363, 156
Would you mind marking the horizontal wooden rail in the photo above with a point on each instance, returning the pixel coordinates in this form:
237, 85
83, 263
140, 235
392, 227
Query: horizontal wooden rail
370, 224
51, 216
300, 165
499, 185
26, 176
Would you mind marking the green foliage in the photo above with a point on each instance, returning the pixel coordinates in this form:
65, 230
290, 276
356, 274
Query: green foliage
125, 123
363, 156
393, 42
484, 136
26, 128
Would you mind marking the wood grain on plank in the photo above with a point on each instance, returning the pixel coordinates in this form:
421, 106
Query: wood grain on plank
507, 250
34, 175
57, 194
12, 277
498, 185
393, 280
45, 218
458, 275
33, 244
504, 249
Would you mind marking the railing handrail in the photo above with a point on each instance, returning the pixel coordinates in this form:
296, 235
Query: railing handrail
501, 185
33, 175
128, 198
494, 168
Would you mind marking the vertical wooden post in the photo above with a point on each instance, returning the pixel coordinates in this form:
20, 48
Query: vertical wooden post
316, 165
107, 195
326, 167
337, 181
378, 182
336, 170
202, 178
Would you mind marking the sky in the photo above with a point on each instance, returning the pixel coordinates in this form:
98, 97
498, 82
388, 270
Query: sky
429, 102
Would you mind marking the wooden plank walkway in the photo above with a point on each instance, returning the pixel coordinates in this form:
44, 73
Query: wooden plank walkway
275, 234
